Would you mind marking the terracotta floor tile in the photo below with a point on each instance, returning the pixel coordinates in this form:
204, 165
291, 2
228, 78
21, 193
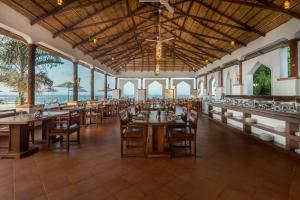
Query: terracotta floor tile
229, 166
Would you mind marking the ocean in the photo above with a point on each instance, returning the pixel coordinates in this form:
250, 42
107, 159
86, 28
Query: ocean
10, 101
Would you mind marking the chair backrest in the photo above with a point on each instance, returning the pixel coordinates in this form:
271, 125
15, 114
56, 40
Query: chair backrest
7, 113
193, 120
74, 118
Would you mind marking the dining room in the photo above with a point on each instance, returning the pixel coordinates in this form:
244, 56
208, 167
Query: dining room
149, 99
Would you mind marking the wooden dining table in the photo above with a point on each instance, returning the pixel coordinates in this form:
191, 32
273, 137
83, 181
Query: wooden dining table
19, 136
157, 145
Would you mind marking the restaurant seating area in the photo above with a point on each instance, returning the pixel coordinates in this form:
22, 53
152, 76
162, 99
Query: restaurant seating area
150, 100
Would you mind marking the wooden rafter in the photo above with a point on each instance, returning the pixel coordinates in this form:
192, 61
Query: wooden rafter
89, 16
267, 5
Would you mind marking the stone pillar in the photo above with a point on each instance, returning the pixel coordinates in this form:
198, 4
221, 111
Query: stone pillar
142, 83
75, 81
31, 75
105, 86
293, 44
92, 83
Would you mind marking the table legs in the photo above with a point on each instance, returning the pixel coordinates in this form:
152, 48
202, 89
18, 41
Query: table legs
19, 142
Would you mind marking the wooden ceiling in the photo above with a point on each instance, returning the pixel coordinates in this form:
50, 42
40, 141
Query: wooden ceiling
204, 30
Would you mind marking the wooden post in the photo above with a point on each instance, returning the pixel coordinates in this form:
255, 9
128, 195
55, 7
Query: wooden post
240, 72
92, 83
105, 86
75, 81
293, 44
205, 84
31, 75
220, 83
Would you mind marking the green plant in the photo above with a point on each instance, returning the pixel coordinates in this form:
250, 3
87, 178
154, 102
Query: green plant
262, 81
14, 66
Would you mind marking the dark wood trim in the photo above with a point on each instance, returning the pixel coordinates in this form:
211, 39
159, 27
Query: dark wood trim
92, 83
105, 86
31, 75
75, 81
293, 44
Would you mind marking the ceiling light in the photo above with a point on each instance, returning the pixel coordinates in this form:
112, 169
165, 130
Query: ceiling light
95, 40
158, 51
60, 2
112, 58
157, 69
206, 61
287, 4
232, 43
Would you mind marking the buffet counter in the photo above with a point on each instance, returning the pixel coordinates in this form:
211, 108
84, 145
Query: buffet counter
281, 129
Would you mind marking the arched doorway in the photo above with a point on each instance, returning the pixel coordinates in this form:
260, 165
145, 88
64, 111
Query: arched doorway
212, 86
128, 90
262, 81
155, 90
228, 84
183, 90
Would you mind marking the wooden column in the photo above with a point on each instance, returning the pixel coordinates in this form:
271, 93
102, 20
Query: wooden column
92, 83
31, 75
220, 73
240, 72
293, 44
75, 81
105, 86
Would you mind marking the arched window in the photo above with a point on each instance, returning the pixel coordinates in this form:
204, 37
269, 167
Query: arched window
212, 86
183, 90
128, 90
228, 84
155, 90
262, 81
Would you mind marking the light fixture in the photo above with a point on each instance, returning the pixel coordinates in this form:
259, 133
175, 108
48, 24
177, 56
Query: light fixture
112, 58
95, 40
60, 2
287, 4
157, 69
158, 51
232, 43
206, 61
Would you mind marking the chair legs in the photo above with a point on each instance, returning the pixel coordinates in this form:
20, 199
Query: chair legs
68, 142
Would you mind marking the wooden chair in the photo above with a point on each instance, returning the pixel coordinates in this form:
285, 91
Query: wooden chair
132, 133
180, 137
67, 129
5, 129
95, 115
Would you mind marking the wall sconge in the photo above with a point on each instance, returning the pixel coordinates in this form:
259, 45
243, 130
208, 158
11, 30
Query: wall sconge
60, 2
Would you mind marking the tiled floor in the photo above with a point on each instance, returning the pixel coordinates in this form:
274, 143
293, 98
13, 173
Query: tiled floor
229, 166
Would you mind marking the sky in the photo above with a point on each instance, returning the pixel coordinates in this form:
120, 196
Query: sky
64, 73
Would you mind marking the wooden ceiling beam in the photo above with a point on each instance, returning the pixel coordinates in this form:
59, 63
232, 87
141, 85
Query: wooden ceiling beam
267, 5
213, 47
230, 18
118, 36
213, 29
134, 24
190, 44
89, 16
104, 22
53, 12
